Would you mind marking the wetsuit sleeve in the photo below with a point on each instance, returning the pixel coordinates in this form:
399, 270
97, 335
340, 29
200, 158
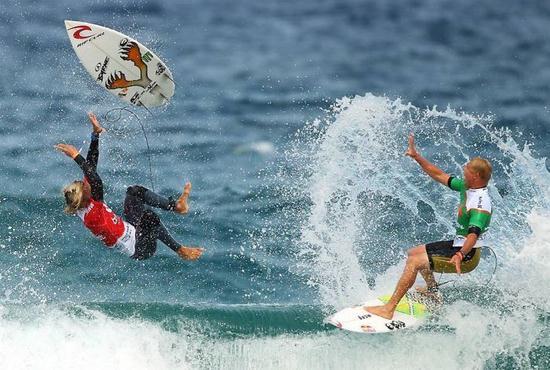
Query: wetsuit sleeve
479, 219
456, 184
93, 178
93, 151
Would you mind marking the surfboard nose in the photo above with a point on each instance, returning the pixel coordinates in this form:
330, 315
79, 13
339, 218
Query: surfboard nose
70, 24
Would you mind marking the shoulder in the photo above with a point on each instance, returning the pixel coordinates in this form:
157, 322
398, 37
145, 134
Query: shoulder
456, 184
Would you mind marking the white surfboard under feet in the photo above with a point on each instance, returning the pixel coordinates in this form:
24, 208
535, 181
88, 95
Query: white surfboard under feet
408, 314
121, 64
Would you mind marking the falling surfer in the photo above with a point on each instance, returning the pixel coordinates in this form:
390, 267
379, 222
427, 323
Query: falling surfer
459, 255
136, 233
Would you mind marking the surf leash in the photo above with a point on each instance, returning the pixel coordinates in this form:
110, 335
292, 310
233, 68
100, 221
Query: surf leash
114, 115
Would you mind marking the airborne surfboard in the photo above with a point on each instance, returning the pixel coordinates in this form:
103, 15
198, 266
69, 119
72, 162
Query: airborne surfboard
409, 313
122, 65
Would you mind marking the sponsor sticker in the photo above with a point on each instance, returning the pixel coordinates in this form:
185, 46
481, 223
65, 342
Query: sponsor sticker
368, 329
135, 98
102, 69
78, 33
160, 69
90, 38
395, 324
147, 57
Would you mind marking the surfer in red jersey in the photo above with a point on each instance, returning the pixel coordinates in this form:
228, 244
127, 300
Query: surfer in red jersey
137, 232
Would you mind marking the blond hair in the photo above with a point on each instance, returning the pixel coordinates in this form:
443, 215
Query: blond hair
482, 167
73, 196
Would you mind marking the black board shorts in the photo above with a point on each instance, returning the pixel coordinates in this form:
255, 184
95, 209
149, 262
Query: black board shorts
444, 248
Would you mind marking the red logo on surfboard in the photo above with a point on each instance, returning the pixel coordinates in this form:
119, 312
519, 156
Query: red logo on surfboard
78, 33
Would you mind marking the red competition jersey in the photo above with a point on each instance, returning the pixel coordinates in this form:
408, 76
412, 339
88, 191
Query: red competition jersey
102, 222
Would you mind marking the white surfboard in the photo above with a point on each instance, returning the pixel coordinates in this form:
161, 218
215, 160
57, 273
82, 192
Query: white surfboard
121, 64
408, 314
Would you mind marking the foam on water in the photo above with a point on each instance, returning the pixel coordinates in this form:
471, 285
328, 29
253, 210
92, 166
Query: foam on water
468, 336
369, 202
50, 338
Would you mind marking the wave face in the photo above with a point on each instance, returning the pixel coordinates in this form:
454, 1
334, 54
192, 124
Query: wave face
369, 201
354, 205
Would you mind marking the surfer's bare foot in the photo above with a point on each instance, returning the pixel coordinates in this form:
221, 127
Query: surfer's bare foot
181, 204
381, 311
189, 253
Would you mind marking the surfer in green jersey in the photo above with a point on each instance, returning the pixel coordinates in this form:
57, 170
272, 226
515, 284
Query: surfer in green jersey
458, 255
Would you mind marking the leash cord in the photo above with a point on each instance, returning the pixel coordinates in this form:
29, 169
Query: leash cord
108, 118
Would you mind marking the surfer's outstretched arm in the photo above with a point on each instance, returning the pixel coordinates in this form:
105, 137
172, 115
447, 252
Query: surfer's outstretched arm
435, 172
93, 151
93, 178
89, 172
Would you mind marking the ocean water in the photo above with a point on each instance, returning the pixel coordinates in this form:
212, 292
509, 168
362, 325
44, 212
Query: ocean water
291, 120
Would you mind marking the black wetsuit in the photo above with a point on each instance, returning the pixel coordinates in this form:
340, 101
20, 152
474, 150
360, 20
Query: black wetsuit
137, 205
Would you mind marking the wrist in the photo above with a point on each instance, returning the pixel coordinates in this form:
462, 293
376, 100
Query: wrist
460, 254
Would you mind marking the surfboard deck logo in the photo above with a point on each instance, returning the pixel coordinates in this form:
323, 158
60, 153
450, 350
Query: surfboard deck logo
78, 33
122, 65
409, 313
129, 51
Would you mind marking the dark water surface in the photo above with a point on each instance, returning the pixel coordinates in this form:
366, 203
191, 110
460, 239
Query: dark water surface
301, 196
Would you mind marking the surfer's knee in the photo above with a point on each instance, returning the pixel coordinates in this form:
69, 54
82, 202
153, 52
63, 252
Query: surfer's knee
415, 262
136, 191
419, 249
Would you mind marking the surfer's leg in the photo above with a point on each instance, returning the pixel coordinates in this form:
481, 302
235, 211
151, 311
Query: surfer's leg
426, 274
150, 229
146, 235
158, 201
150, 198
419, 249
187, 253
414, 264
164, 236
133, 207
150, 226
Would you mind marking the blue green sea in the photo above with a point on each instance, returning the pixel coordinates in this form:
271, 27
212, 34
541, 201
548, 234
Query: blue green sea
290, 118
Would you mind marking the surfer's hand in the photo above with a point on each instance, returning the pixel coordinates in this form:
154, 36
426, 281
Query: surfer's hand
95, 123
457, 259
68, 150
189, 253
411, 150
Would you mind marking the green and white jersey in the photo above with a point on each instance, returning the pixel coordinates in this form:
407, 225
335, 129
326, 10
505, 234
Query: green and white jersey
474, 210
